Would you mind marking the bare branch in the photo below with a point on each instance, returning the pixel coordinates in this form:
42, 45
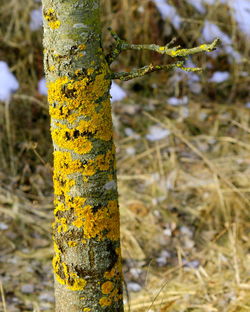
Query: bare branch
150, 69
121, 45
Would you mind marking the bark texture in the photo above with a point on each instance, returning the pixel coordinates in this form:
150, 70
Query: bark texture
87, 260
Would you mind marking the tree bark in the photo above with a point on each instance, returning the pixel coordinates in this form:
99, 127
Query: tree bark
87, 259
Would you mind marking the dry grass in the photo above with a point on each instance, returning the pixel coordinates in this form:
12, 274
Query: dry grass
187, 195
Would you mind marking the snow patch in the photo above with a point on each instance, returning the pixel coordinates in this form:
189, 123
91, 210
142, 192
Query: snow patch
163, 259
157, 133
36, 19
134, 287
117, 93
211, 31
174, 101
241, 12
219, 77
198, 5
130, 150
42, 89
3, 226
131, 133
168, 12
8, 82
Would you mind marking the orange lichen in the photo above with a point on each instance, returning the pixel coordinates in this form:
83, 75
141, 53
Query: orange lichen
103, 223
70, 279
82, 46
78, 223
115, 272
105, 301
105, 160
107, 287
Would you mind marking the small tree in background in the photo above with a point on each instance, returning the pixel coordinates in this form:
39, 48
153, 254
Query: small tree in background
87, 260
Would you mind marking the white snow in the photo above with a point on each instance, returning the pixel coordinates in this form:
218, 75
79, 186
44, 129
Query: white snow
36, 19
157, 133
241, 12
236, 56
131, 133
117, 93
193, 83
167, 11
130, 150
197, 4
163, 259
211, 31
8, 82
42, 89
174, 101
219, 76
135, 287
3, 226
136, 272
212, 2
186, 231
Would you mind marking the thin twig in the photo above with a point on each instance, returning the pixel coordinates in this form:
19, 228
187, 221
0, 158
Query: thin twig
139, 72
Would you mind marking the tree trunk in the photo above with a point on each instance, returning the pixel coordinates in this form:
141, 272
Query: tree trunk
87, 260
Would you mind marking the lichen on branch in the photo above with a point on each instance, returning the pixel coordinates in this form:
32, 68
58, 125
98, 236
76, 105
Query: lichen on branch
176, 51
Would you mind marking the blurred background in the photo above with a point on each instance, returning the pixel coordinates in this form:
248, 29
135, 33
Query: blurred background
183, 158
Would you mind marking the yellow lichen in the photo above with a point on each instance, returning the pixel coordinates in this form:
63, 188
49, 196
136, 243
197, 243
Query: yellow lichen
90, 71
82, 47
54, 24
105, 160
64, 137
173, 53
50, 11
78, 71
102, 223
107, 287
70, 99
52, 68
86, 310
62, 224
78, 223
105, 301
115, 272
72, 244
50, 16
70, 279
